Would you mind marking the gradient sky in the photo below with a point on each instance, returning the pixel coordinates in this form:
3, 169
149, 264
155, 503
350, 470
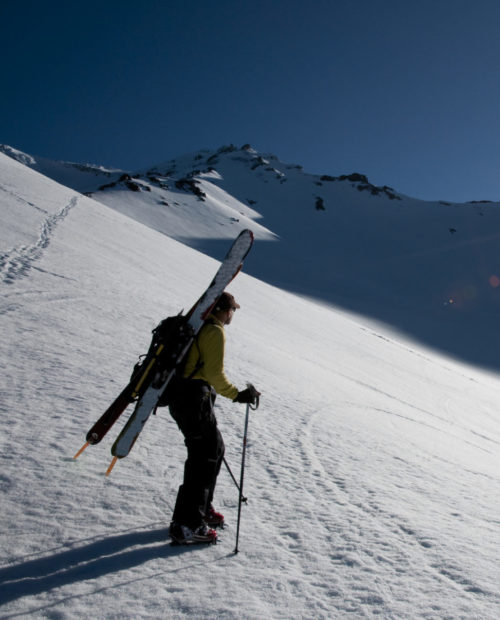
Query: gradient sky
404, 91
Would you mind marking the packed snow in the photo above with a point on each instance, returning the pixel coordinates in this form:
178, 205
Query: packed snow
372, 470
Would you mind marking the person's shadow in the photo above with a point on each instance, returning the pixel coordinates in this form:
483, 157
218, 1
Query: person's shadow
94, 559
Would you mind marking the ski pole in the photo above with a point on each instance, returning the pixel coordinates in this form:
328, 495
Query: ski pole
240, 498
243, 499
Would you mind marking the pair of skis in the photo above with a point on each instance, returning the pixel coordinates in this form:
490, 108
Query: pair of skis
149, 382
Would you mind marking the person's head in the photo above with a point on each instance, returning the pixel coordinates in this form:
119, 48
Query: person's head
224, 308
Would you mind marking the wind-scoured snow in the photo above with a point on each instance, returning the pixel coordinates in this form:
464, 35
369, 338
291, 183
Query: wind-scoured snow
372, 464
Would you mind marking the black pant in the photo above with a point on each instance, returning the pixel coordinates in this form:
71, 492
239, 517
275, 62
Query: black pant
192, 407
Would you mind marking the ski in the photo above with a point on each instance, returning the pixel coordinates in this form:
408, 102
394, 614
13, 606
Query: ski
108, 418
115, 410
158, 380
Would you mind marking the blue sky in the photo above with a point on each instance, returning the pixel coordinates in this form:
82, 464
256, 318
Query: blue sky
404, 91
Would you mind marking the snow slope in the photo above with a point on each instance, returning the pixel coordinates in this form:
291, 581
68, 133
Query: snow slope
431, 270
372, 466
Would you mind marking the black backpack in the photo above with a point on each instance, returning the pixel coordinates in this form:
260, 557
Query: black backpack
167, 352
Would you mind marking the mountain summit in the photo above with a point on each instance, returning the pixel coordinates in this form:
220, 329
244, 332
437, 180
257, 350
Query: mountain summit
429, 269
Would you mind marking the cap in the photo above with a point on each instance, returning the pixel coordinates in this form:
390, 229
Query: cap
226, 302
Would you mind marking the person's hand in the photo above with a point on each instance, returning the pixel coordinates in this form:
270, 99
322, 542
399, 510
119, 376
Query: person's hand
249, 395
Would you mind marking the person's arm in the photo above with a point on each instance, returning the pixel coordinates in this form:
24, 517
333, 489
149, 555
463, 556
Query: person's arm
212, 345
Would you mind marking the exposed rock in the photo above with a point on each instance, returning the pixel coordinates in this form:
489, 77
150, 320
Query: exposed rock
320, 204
363, 184
190, 185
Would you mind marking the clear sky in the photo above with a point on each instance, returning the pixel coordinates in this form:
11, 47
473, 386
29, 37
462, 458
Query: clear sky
404, 91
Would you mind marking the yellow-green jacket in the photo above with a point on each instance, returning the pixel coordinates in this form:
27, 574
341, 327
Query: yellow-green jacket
207, 353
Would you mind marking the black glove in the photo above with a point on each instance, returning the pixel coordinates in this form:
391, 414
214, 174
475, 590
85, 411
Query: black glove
250, 395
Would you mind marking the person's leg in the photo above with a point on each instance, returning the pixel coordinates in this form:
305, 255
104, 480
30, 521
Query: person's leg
205, 451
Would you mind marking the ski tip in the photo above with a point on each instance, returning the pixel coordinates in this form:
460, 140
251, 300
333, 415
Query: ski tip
249, 233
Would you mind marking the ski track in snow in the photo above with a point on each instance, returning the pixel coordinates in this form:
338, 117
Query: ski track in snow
18, 198
17, 262
392, 541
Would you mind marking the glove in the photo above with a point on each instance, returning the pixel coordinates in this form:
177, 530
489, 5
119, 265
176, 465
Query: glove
250, 395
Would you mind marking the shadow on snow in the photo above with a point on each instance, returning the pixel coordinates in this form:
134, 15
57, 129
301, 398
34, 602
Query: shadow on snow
90, 561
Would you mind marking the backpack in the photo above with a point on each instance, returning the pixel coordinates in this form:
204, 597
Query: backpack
167, 352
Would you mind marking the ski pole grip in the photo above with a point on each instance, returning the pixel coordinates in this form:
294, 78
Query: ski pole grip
255, 405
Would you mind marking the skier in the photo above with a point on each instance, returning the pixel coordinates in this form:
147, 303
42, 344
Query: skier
192, 407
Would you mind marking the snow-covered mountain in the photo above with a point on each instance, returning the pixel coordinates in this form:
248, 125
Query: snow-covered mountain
429, 269
372, 464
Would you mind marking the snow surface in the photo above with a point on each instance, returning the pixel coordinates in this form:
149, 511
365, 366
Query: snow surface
430, 270
372, 466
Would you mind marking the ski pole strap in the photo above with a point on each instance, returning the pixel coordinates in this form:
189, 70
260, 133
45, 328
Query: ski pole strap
255, 405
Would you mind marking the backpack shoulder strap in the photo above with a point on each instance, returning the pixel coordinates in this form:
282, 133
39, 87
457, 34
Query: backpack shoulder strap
200, 363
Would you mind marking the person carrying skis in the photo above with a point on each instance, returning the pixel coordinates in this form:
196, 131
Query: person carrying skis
192, 407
